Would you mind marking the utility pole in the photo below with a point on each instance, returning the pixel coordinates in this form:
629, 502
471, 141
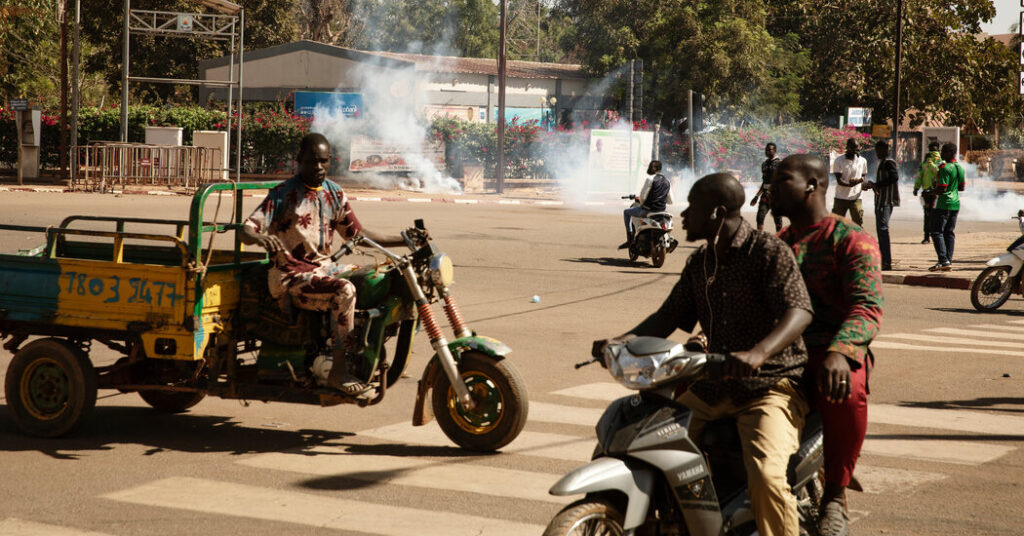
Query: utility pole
124, 74
63, 145
897, 113
501, 100
76, 91
692, 127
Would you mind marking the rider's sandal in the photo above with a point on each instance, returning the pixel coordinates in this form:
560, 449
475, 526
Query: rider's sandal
350, 385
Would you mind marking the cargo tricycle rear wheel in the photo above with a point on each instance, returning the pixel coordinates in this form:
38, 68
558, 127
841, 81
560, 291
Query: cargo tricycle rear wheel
50, 388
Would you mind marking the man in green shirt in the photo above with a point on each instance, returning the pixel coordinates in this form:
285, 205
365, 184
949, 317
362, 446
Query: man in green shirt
948, 185
924, 183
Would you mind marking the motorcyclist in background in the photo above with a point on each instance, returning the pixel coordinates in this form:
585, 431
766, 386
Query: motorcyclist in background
655, 196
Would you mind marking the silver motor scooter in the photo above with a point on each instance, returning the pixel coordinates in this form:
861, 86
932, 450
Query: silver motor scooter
652, 236
1002, 276
648, 478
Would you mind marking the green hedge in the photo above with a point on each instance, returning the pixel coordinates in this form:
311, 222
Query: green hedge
270, 136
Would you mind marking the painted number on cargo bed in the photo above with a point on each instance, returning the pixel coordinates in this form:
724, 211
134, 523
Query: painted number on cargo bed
137, 290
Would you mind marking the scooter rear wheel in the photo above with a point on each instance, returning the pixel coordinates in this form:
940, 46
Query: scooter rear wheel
589, 516
658, 255
992, 288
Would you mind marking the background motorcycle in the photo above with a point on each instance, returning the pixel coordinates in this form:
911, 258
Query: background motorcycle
647, 477
994, 284
652, 236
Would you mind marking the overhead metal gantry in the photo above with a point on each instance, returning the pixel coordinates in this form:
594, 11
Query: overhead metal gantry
227, 25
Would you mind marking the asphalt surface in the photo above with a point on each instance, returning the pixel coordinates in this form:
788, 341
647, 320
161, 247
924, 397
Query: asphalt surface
943, 455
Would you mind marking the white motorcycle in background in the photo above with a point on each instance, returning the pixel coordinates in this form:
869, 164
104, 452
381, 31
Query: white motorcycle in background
1002, 276
652, 236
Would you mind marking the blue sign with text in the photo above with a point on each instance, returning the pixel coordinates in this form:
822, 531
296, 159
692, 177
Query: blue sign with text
346, 104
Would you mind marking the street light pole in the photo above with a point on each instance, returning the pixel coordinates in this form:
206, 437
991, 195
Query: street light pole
501, 100
897, 113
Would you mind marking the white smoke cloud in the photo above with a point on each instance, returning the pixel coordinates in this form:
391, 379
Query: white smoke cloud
392, 102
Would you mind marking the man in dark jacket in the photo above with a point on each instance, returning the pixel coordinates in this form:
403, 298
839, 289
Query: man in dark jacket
887, 196
655, 196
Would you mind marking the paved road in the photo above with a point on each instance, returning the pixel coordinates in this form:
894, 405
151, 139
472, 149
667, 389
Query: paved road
944, 453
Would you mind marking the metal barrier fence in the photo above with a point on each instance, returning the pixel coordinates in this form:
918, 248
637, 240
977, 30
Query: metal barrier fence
106, 166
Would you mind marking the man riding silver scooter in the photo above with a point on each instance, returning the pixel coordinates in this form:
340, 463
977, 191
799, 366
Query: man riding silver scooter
648, 226
649, 477
745, 290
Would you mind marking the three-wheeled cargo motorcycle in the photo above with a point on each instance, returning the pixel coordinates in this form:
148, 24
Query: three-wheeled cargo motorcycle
191, 322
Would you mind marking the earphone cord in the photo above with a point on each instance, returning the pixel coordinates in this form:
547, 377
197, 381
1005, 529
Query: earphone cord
710, 280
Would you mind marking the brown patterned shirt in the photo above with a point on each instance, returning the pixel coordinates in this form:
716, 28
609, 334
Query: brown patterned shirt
755, 283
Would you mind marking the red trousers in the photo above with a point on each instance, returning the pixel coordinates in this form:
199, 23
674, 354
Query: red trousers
844, 423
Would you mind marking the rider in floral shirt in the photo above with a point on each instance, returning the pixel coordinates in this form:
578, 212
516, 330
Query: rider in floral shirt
841, 266
296, 225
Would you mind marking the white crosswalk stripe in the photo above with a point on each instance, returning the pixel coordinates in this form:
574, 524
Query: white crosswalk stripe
231, 499
962, 349
19, 527
412, 471
932, 339
529, 443
970, 334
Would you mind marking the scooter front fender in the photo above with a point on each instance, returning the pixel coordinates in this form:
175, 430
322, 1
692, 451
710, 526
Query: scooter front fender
1008, 259
632, 478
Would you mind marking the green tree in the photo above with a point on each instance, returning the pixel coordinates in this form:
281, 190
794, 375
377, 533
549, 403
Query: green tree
946, 67
720, 48
443, 27
267, 23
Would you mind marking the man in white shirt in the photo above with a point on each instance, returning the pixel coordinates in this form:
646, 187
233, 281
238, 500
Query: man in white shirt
850, 170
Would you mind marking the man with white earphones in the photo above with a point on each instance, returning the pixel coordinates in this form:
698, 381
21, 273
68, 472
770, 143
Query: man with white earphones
744, 288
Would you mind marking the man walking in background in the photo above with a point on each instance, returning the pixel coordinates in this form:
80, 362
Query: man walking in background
887, 196
924, 182
763, 197
948, 185
849, 170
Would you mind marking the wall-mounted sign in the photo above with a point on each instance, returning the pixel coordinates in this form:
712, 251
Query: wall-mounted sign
881, 131
858, 117
330, 103
185, 22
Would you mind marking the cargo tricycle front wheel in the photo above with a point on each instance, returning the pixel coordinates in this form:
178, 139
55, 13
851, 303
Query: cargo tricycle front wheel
50, 388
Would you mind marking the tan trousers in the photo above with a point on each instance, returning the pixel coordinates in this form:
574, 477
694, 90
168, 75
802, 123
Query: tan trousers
769, 430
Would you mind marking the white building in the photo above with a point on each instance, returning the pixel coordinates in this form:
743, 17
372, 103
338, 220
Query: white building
462, 87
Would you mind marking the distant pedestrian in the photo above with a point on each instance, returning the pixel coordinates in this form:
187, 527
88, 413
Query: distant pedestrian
763, 197
925, 182
849, 170
887, 196
949, 184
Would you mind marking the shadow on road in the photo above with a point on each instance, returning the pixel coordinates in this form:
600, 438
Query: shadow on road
109, 426
949, 437
1001, 311
983, 403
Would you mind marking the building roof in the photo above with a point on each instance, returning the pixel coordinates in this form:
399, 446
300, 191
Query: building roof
421, 62
514, 68
1006, 39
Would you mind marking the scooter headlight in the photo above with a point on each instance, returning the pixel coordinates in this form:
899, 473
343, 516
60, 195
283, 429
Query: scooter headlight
645, 371
442, 271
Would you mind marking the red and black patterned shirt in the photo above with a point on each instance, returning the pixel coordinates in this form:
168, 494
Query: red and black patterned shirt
738, 299
842, 268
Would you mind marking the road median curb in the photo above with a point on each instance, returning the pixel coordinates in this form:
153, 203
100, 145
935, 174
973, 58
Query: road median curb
938, 281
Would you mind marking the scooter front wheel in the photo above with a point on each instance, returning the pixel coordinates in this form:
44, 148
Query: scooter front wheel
992, 288
499, 395
589, 516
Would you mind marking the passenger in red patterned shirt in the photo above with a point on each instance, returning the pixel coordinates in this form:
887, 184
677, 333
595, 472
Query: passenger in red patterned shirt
841, 265
296, 225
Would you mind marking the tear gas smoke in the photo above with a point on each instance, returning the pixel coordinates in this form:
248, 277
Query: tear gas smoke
392, 99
